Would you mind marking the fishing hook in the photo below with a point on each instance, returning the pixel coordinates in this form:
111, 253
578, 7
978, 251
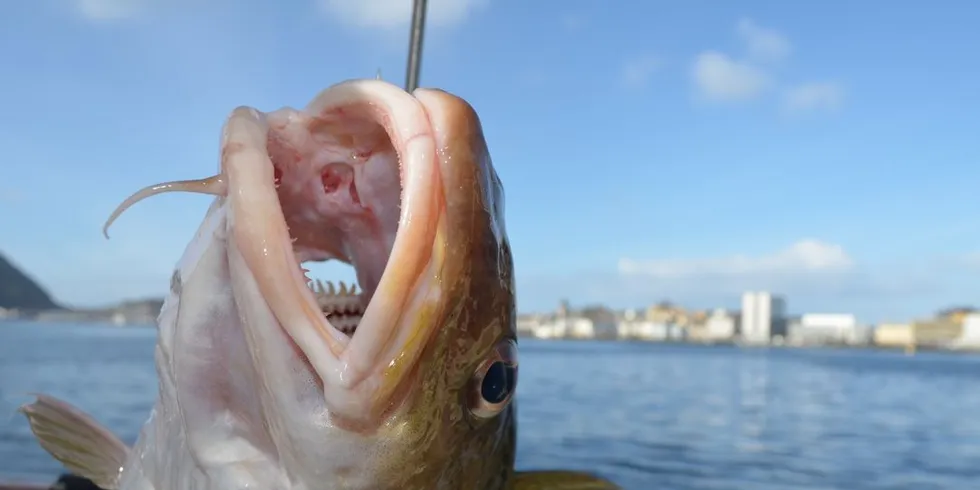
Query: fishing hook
415, 45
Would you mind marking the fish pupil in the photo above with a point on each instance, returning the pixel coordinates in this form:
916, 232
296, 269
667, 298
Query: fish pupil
498, 382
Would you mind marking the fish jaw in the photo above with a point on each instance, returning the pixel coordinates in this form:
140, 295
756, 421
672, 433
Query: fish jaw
446, 434
354, 178
463, 441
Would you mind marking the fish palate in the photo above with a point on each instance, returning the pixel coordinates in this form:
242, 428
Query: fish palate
270, 380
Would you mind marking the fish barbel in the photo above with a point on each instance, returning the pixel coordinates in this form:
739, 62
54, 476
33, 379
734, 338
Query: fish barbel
269, 380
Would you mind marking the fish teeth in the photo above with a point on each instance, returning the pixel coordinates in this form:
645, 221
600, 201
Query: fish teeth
328, 288
345, 323
338, 299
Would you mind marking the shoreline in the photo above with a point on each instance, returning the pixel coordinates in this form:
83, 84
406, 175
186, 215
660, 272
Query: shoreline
916, 348
760, 346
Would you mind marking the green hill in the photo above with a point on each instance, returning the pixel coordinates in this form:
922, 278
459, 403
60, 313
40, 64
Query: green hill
18, 291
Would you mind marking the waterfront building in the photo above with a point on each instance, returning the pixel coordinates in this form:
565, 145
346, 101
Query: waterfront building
894, 335
603, 320
635, 327
667, 312
642, 330
578, 327
550, 328
827, 329
970, 336
677, 333
526, 323
587, 323
938, 332
956, 314
721, 326
763, 317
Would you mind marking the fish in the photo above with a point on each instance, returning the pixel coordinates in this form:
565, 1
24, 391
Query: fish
269, 379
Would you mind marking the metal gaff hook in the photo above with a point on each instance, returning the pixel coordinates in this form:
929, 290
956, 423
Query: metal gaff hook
415, 45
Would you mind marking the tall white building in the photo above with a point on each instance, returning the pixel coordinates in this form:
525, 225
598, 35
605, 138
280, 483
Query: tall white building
763, 317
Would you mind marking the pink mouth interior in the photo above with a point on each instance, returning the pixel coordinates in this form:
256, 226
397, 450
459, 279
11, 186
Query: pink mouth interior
338, 182
353, 177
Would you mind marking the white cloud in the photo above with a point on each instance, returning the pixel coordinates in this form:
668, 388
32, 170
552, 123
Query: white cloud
814, 96
396, 13
107, 10
804, 256
637, 72
763, 44
721, 78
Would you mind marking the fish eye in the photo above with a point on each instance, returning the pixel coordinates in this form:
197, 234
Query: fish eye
494, 381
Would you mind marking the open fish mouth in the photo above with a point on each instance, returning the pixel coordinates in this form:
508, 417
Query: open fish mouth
338, 181
352, 178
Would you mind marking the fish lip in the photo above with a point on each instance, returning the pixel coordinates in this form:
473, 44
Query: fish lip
259, 229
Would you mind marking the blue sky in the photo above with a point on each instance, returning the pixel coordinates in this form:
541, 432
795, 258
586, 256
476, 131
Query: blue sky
688, 151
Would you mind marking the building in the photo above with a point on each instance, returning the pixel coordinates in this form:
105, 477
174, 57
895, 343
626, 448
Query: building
603, 321
894, 335
595, 322
970, 336
578, 327
936, 333
677, 333
763, 317
956, 314
827, 329
527, 323
643, 330
636, 327
557, 327
550, 328
667, 312
720, 326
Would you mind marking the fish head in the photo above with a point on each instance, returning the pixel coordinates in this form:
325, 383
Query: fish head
407, 384
269, 379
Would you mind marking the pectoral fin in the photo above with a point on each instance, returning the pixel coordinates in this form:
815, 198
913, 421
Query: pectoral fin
561, 480
80, 443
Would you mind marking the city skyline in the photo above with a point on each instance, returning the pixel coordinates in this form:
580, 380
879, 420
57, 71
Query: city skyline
737, 307
646, 152
762, 320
